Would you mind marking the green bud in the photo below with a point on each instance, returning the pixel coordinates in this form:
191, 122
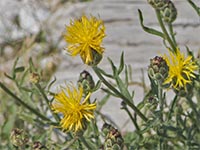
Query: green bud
169, 13
152, 102
18, 137
106, 128
38, 146
158, 4
114, 140
34, 78
108, 143
158, 69
116, 147
86, 80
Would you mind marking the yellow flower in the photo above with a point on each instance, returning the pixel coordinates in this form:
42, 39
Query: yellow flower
84, 36
181, 69
75, 111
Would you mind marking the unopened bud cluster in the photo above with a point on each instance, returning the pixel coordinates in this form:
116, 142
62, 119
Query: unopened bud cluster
114, 140
34, 78
158, 69
169, 13
38, 146
86, 81
19, 137
158, 4
152, 102
167, 9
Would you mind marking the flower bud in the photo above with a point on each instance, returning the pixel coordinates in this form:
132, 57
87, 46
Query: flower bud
158, 4
38, 146
86, 80
169, 13
152, 102
34, 78
114, 140
106, 128
158, 69
18, 137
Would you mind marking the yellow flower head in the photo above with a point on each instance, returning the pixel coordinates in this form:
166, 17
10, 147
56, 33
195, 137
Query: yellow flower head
181, 69
75, 111
84, 36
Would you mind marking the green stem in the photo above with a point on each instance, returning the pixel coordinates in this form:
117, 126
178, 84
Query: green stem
172, 34
132, 119
161, 101
172, 107
161, 104
36, 112
125, 99
167, 37
161, 144
47, 102
96, 131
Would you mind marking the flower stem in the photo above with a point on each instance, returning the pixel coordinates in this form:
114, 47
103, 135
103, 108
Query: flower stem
24, 104
125, 99
165, 31
132, 119
172, 34
176, 98
161, 101
47, 101
96, 131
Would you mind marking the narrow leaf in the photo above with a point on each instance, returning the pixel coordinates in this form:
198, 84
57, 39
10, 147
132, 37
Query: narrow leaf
149, 30
51, 83
121, 66
9, 77
126, 77
104, 73
32, 68
97, 86
13, 69
190, 53
196, 8
109, 92
19, 69
103, 101
114, 69
122, 87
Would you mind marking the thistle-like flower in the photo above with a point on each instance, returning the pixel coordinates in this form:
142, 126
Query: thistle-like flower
181, 69
84, 37
75, 110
